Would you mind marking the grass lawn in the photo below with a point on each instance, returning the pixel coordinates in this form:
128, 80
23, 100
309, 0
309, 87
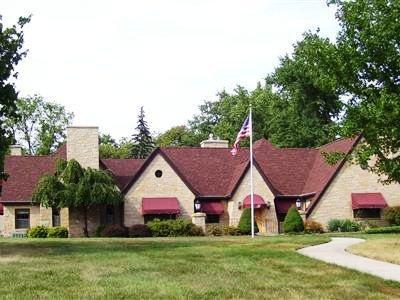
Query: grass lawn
226, 267
382, 247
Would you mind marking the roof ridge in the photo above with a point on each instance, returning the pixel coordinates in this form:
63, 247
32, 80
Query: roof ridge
337, 140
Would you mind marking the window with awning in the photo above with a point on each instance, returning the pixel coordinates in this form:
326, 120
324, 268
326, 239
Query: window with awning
368, 200
212, 207
258, 201
160, 206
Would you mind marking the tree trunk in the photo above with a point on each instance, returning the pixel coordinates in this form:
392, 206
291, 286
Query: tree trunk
85, 229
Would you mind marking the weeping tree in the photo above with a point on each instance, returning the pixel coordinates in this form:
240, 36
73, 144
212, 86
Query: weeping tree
75, 187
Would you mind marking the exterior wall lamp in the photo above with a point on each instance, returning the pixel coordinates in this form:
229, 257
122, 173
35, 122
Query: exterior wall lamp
298, 203
197, 206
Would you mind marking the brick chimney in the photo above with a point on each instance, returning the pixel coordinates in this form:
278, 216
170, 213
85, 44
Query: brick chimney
214, 143
83, 145
16, 150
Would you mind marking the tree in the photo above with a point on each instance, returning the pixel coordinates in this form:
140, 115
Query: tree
75, 187
40, 125
177, 136
11, 53
369, 47
142, 140
109, 148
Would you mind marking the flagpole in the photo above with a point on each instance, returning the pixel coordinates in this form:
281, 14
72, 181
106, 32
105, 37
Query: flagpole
251, 173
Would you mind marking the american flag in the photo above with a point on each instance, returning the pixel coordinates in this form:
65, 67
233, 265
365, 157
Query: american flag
244, 132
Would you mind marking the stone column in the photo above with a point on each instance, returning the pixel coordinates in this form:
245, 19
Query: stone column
199, 219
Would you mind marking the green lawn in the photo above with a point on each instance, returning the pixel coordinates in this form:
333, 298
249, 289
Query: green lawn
235, 267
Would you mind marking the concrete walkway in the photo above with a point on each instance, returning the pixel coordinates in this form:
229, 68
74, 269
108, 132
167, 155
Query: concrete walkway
334, 252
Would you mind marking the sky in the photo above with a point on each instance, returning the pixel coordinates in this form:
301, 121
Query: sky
103, 60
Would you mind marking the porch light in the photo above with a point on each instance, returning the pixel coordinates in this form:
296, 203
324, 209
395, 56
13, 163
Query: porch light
298, 203
197, 205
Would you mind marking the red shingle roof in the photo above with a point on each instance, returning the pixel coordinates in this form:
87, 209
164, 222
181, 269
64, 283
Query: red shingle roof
123, 170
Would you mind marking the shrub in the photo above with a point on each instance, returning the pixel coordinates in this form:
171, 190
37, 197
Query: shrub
245, 222
38, 232
171, 228
293, 221
99, 230
231, 230
57, 232
214, 230
311, 226
196, 231
392, 215
343, 225
390, 229
139, 230
114, 231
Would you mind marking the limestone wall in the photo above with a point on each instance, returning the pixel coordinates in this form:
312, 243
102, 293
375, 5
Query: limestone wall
83, 146
266, 219
336, 202
1, 224
9, 217
77, 221
148, 185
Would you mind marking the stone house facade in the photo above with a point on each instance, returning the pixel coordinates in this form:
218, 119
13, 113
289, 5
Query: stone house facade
171, 180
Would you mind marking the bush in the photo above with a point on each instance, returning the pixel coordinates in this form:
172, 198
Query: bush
391, 229
392, 215
245, 222
38, 232
114, 231
343, 225
99, 230
311, 226
293, 221
231, 230
57, 232
172, 228
196, 231
214, 230
139, 230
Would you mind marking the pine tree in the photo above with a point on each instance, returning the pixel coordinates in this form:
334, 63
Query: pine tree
143, 142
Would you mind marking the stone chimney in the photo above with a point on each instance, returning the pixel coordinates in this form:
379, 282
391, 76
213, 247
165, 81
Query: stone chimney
16, 150
214, 143
83, 145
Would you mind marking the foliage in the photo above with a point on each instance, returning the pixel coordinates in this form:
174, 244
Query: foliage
311, 226
177, 136
76, 187
343, 225
38, 232
165, 228
115, 231
245, 222
99, 230
390, 229
57, 232
142, 140
214, 230
196, 231
293, 221
11, 53
392, 215
368, 46
40, 125
231, 230
109, 148
332, 158
139, 230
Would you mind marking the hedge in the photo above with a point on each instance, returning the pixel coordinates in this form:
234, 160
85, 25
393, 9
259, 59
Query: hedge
390, 229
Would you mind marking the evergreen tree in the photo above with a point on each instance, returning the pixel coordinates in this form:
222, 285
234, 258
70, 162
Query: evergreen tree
142, 140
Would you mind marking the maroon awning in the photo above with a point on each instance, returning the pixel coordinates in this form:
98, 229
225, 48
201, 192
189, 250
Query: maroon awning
212, 207
368, 200
258, 201
157, 206
283, 205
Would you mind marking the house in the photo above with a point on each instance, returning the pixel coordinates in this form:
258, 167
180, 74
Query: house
167, 184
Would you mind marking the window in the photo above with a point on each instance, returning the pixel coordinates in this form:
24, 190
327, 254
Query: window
367, 213
109, 215
149, 218
56, 217
158, 173
21, 218
212, 219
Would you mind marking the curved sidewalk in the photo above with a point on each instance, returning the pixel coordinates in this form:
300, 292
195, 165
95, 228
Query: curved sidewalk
334, 252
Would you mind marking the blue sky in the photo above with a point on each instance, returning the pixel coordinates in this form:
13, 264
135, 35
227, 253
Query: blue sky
104, 59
